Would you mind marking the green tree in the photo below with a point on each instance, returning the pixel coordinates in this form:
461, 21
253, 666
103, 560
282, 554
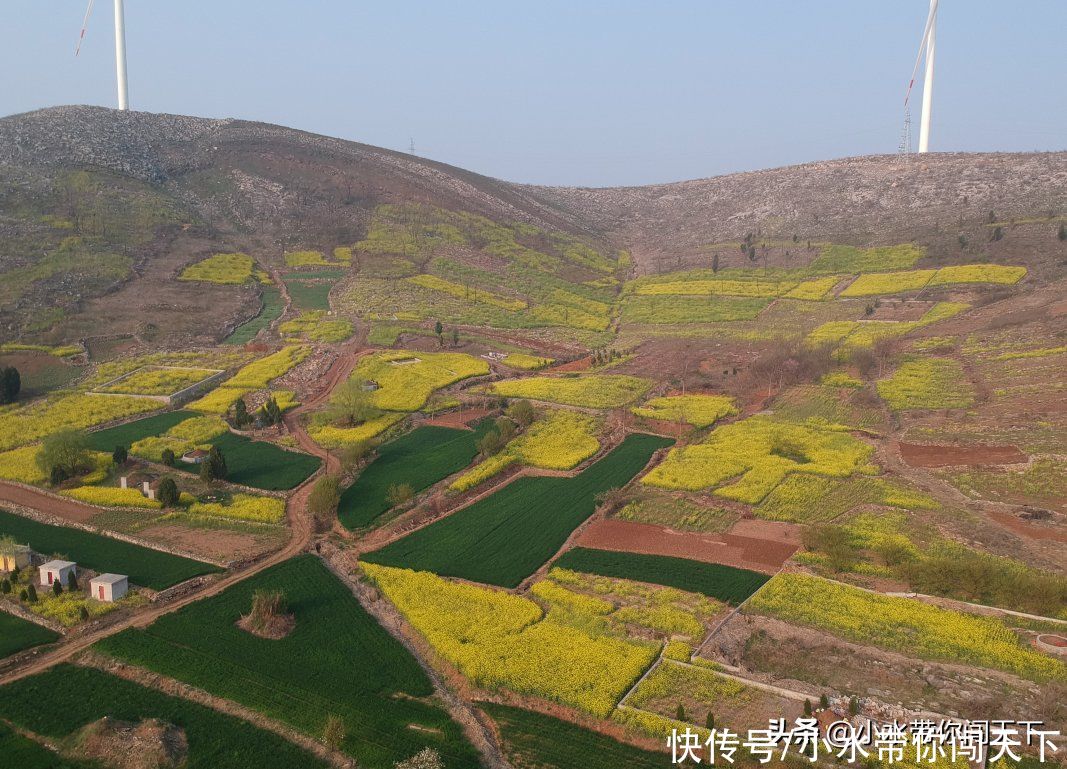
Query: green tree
853, 706
455, 332
120, 455
31, 593
213, 468
522, 412
67, 450
168, 493
998, 233
325, 496
807, 708
439, 330
72, 582
57, 589
824, 702
10, 384
354, 453
679, 714
168, 457
271, 412
351, 404
1062, 234
83, 613
709, 722
241, 417
5, 586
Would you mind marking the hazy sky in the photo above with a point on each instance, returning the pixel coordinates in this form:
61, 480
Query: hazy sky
583, 92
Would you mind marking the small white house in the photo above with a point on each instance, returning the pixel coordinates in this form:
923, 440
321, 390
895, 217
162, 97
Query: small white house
60, 570
109, 587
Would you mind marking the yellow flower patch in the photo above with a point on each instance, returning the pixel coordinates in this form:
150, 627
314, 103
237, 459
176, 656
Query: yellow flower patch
243, 507
406, 378
497, 639
26, 423
526, 362
330, 436
468, 293
230, 269
757, 454
699, 410
602, 391
111, 496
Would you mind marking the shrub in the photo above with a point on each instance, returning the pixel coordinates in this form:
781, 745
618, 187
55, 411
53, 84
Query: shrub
167, 457
267, 607
10, 384
120, 455
333, 734
399, 493
168, 495
324, 499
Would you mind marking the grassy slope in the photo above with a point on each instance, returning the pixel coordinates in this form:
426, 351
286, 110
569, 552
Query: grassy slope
337, 660
64, 699
536, 740
505, 537
27, 754
17, 634
272, 308
421, 458
726, 583
148, 568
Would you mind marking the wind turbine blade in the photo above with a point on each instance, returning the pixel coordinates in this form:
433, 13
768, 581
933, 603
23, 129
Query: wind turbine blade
85, 25
922, 49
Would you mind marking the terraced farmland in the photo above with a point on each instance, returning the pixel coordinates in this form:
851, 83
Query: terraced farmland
419, 459
336, 661
503, 538
57, 705
726, 583
149, 568
17, 634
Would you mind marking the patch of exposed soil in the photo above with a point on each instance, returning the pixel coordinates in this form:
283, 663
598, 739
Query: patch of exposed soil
812, 661
1026, 528
581, 364
150, 744
460, 420
933, 455
211, 543
272, 628
746, 552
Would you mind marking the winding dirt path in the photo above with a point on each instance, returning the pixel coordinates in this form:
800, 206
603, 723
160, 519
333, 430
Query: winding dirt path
301, 531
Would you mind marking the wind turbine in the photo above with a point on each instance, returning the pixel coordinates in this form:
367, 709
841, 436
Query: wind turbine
926, 48
120, 50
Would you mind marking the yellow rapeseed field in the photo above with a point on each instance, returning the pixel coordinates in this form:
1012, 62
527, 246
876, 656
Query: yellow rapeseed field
599, 391
497, 639
26, 423
157, 380
468, 293
111, 496
902, 624
526, 362
699, 410
195, 432
255, 376
927, 383
406, 378
224, 268
243, 507
758, 453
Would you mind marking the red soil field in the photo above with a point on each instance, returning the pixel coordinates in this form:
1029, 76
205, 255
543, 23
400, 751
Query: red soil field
1027, 529
932, 455
461, 420
746, 552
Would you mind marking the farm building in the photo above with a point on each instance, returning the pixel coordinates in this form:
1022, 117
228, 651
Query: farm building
14, 556
109, 587
57, 570
195, 457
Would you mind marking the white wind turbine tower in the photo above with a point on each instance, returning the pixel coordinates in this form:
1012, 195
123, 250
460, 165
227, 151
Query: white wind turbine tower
120, 50
926, 49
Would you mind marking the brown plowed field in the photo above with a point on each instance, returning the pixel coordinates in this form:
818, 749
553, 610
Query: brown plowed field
764, 555
461, 420
932, 455
1027, 529
61, 507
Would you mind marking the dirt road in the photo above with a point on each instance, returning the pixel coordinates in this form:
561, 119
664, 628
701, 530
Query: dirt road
62, 507
301, 532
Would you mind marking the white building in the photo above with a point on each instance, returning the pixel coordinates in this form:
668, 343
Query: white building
109, 587
60, 570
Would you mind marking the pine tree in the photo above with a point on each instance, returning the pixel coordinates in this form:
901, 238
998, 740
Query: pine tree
72, 582
168, 493
679, 714
824, 702
807, 708
120, 455
709, 722
57, 589
5, 586
168, 457
31, 594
